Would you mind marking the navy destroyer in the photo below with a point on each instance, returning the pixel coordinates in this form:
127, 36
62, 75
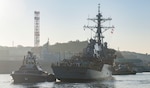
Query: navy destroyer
30, 71
95, 63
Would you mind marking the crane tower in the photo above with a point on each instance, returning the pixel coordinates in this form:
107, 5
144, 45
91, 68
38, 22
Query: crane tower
36, 28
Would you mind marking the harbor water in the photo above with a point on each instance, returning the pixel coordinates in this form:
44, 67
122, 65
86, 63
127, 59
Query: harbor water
140, 80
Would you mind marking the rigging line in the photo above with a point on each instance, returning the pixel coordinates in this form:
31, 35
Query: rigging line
91, 34
109, 23
88, 18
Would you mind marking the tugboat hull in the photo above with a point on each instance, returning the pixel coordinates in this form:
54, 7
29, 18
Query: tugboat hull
124, 72
25, 78
29, 78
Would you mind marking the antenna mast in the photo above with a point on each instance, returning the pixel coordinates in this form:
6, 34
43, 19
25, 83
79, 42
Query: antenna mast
36, 28
99, 34
99, 20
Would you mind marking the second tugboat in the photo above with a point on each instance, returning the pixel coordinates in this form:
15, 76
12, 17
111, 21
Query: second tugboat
123, 69
95, 63
31, 72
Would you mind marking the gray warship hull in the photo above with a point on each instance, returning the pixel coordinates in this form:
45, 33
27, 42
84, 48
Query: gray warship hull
81, 74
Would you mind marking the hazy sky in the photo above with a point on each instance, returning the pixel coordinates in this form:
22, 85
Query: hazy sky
63, 21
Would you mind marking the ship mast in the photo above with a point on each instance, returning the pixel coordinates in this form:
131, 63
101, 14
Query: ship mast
99, 31
99, 20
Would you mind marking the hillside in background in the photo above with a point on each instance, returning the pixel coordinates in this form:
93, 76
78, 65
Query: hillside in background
133, 55
71, 46
11, 57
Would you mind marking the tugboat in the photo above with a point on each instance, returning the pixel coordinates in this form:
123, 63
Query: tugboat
31, 72
95, 63
123, 69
